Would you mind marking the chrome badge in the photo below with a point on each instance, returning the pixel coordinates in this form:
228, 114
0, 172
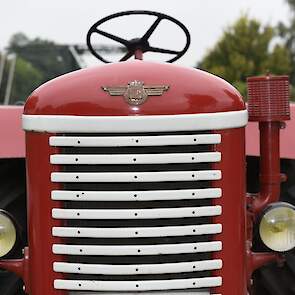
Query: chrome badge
136, 93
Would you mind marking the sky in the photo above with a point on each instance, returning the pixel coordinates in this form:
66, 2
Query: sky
67, 21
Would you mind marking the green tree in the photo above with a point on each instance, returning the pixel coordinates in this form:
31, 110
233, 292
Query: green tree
25, 79
50, 59
244, 50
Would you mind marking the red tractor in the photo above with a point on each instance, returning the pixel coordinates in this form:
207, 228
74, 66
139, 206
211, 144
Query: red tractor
136, 179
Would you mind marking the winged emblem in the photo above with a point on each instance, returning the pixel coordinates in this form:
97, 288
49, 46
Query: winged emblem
136, 93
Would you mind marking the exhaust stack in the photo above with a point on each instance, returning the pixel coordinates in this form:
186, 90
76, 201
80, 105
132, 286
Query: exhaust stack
269, 106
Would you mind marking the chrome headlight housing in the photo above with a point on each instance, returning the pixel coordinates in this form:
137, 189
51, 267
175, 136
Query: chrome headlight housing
277, 227
8, 233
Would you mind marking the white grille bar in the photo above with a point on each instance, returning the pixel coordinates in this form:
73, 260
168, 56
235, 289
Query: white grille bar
120, 141
136, 176
139, 269
136, 213
177, 292
137, 232
137, 285
206, 193
137, 158
137, 250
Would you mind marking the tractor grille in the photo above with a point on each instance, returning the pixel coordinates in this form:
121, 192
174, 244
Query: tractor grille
136, 211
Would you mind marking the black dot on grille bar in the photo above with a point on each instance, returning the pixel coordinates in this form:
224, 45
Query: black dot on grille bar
134, 160
135, 195
193, 194
80, 285
76, 159
193, 175
78, 214
195, 139
77, 196
194, 230
136, 140
136, 232
137, 286
193, 212
81, 250
136, 269
79, 141
77, 177
79, 268
135, 177
195, 248
193, 158
135, 214
194, 283
79, 232
138, 250
194, 266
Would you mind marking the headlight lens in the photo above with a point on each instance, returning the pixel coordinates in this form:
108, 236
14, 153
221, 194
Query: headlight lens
277, 227
7, 234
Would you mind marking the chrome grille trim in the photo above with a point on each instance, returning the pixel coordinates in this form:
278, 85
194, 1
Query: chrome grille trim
137, 158
109, 241
149, 123
136, 176
137, 232
136, 213
121, 141
133, 269
152, 195
137, 285
177, 292
137, 249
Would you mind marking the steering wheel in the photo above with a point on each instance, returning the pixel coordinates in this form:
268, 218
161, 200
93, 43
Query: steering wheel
142, 43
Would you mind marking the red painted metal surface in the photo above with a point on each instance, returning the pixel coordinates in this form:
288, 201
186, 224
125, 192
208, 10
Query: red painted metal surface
40, 222
11, 134
270, 170
287, 143
80, 93
233, 217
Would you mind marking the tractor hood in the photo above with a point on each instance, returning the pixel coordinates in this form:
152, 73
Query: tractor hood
189, 91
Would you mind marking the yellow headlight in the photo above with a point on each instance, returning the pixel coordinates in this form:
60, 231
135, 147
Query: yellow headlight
277, 227
7, 234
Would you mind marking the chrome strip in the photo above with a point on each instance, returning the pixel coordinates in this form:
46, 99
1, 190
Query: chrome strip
205, 193
137, 232
137, 269
121, 141
137, 285
156, 123
136, 213
80, 159
136, 176
137, 250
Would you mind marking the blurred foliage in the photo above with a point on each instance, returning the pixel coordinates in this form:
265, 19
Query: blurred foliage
50, 59
37, 62
246, 49
26, 79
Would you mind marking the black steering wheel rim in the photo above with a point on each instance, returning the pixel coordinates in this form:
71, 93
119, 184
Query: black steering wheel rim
142, 42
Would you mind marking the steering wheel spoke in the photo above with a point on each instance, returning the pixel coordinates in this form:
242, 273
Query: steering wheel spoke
112, 37
127, 56
150, 31
137, 44
163, 50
